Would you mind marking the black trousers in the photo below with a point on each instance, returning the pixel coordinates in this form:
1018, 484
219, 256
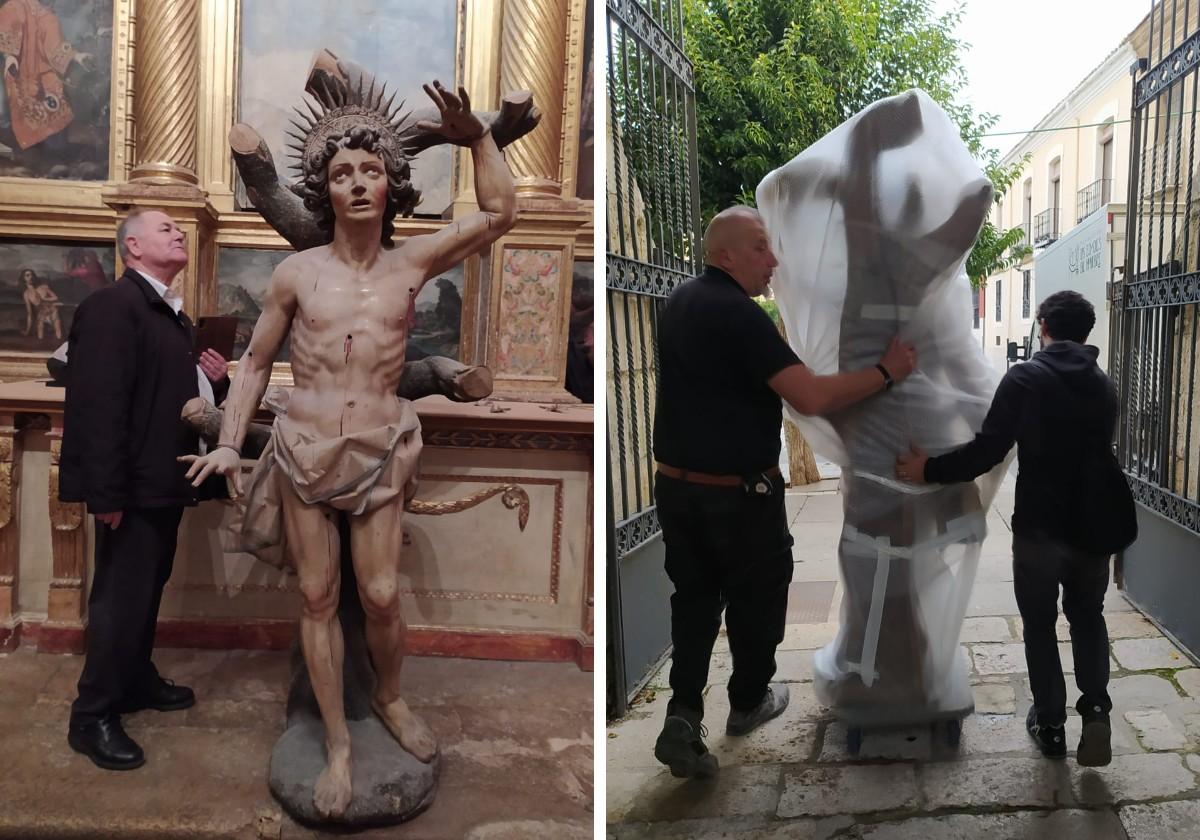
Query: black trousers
725, 550
1041, 565
133, 563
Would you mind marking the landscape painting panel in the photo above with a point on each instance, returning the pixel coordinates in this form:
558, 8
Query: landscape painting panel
401, 42
54, 103
243, 275
42, 285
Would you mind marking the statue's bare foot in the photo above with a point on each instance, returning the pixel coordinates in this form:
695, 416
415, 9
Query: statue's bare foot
412, 733
331, 796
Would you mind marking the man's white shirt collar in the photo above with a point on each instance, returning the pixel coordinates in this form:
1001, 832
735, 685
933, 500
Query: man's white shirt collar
163, 292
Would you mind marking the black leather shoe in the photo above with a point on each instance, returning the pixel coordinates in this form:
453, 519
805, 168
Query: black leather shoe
106, 744
162, 695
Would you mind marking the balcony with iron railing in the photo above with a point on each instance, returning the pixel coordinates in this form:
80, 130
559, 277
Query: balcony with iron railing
1022, 243
1091, 198
1045, 227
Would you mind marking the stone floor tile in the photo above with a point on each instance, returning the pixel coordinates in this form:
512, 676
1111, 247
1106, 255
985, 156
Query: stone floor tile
1142, 691
994, 698
1130, 625
985, 629
630, 741
908, 743
1027, 825
1193, 762
736, 791
822, 508
992, 659
1155, 730
1189, 681
1000, 782
1148, 654
808, 636
25, 675
826, 791
739, 828
793, 666
1133, 778
992, 599
990, 734
1162, 821
1124, 740
787, 739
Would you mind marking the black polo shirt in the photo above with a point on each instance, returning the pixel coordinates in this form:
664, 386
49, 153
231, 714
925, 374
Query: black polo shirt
717, 348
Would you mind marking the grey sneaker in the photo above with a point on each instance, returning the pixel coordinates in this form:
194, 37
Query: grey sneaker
1095, 744
681, 747
772, 705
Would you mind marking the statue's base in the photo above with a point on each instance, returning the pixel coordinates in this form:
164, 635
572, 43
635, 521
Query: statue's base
390, 786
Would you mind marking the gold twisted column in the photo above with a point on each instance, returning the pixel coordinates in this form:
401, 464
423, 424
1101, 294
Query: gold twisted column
533, 58
9, 539
166, 92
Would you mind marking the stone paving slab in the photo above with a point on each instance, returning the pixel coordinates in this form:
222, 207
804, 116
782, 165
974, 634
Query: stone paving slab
1133, 778
795, 778
736, 791
859, 788
735, 829
997, 782
1162, 821
1027, 825
1148, 654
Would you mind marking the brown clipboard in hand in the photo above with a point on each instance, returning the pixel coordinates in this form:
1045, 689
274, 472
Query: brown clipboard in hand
218, 332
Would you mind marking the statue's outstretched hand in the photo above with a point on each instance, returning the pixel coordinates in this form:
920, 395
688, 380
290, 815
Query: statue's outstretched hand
459, 125
222, 460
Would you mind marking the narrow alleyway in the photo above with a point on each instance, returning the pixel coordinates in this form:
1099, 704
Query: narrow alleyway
795, 779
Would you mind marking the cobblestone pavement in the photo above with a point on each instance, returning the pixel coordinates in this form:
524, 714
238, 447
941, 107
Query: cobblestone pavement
795, 779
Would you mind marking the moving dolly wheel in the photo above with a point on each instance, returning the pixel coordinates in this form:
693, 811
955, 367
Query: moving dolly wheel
854, 737
950, 731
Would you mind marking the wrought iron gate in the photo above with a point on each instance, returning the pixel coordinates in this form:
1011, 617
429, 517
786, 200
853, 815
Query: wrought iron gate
1156, 314
653, 215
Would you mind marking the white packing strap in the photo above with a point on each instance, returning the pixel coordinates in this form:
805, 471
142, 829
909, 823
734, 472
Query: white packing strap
899, 486
959, 529
875, 616
887, 312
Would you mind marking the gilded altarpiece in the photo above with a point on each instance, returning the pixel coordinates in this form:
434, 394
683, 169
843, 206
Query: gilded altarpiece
174, 77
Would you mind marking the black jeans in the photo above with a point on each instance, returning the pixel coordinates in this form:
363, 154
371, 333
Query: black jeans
1041, 565
727, 550
133, 563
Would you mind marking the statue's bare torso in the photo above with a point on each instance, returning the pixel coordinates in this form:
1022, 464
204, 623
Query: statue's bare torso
349, 336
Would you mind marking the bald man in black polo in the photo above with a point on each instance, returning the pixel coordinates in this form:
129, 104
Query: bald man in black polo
724, 371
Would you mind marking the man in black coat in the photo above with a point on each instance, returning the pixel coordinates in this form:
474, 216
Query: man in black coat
131, 367
1048, 406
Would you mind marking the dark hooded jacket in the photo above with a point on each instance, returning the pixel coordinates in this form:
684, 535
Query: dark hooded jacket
1058, 408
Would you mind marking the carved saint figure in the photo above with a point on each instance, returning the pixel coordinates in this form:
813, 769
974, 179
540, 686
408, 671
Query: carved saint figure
347, 442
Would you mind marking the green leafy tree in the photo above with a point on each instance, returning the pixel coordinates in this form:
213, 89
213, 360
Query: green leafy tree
998, 250
774, 76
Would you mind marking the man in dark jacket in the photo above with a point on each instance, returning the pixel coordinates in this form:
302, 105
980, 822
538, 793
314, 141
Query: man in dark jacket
130, 369
724, 373
1047, 407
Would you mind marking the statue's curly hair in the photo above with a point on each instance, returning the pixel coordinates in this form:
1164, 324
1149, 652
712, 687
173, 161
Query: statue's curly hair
402, 196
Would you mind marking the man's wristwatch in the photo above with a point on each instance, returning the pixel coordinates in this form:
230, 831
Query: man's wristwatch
888, 382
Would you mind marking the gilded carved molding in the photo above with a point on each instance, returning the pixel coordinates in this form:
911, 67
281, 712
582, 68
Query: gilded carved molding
555, 544
533, 58
64, 516
167, 87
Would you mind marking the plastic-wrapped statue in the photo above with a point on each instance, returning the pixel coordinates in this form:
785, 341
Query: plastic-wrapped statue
872, 225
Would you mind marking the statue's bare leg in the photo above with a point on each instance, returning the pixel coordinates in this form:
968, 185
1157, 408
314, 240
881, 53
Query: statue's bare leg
312, 541
375, 540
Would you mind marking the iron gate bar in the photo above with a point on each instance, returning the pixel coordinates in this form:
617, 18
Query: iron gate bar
641, 25
625, 275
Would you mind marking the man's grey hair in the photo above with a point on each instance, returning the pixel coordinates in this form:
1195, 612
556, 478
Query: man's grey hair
135, 213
